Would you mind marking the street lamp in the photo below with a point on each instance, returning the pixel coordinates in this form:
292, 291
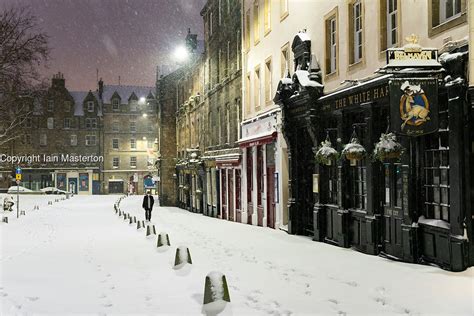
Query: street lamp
144, 115
181, 54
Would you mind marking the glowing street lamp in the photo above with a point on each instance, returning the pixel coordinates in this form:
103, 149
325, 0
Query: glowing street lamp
181, 54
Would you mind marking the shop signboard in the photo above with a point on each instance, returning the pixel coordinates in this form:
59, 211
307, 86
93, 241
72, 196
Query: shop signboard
414, 106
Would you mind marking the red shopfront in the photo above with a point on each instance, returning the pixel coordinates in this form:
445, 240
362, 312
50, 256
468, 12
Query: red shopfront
230, 188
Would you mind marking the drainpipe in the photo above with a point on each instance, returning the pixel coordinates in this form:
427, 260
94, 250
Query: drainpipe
470, 19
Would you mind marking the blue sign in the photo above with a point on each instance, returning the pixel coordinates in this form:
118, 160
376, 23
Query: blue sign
18, 170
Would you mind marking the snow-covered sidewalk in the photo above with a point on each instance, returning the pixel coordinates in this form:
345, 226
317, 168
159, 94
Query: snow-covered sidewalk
78, 256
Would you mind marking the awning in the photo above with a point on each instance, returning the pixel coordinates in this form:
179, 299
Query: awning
258, 139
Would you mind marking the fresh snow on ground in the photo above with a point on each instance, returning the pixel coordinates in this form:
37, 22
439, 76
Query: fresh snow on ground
79, 257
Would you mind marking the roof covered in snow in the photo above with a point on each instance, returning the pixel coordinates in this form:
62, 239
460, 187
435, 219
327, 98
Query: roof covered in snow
125, 92
79, 97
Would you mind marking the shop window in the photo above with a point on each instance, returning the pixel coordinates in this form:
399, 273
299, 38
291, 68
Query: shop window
359, 185
389, 18
333, 179
260, 175
331, 25
445, 14
436, 180
249, 174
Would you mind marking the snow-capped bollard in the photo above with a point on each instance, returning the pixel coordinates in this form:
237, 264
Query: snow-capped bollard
5, 219
125, 216
120, 213
22, 212
182, 258
150, 231
56, 200
216, 293
37, 207
140, 225
50, 202
133, 220
163, 240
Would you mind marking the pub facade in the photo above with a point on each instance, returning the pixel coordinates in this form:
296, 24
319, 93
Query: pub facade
383, 164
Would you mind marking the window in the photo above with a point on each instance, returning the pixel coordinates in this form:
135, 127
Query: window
67, 123
149, 143
389, 36
133, 127
256, 23
210, 23
355, 32
219, 126
268, 81
115, 104
331, 23
227, 60
247, 30
90, 140
256, 89
133, 143
43, 139
115, 162
50, 105
50, 123
333, 181
238, 52
220, 11
359, 185
133, 162
133, 105
67, 106
267, 18
227, 123
73, 140
283, 9
115, 126
90, 106
115, 143
27, 139
285, 60
91, 123
449, 9
28, 122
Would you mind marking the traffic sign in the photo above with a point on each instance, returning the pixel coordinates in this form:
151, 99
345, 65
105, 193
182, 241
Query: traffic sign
18, 177
18, 170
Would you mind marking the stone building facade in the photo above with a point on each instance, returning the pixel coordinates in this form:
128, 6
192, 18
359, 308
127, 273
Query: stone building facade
222, 97
130, 142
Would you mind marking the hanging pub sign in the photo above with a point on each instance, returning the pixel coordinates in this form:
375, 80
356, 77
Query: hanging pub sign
414, 106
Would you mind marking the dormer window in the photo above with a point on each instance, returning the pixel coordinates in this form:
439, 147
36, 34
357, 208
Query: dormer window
90, 106
115, 104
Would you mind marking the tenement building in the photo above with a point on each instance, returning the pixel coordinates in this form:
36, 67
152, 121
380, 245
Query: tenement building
222, 93
88, 142
130, 142
381, 163
61, 136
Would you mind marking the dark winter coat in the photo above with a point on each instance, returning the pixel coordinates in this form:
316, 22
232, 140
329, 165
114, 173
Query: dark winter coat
145, 202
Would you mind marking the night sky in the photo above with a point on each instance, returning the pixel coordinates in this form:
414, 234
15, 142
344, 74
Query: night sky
126, 38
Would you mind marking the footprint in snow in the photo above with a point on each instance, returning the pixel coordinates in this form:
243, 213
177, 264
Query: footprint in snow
103, 296
112, 287
32, 298
3, 294
334, 301
108, 305
352, 283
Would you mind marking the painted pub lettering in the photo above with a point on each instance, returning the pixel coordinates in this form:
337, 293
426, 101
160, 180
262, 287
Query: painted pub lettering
355, 99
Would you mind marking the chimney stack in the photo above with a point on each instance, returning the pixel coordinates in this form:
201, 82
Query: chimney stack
58, 80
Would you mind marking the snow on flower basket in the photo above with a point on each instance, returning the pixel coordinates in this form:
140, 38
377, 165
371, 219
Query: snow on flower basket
326, 153
388, 148
354, 150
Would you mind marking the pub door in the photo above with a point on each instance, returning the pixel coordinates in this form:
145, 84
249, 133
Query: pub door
231, 194
393, 211
271, 196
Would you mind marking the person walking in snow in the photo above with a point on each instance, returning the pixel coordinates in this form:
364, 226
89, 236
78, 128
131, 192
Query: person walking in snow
8, 203
147, 204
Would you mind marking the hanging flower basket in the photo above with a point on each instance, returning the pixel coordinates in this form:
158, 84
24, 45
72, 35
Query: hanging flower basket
354, 150
326, 153
388, 148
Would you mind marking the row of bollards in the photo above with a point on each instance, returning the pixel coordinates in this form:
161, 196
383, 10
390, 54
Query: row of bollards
216, 290
22, 213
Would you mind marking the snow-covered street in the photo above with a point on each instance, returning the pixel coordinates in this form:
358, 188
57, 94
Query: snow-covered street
79, 256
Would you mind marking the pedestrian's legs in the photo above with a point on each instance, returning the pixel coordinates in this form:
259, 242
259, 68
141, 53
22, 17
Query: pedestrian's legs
149, 215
